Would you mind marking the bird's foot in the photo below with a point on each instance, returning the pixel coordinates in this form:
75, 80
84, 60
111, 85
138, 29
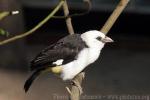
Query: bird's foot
78, 86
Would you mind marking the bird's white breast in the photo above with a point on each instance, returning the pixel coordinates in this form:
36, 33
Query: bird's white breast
85, 57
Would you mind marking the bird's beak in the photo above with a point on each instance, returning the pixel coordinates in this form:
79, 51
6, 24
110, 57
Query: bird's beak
107, 40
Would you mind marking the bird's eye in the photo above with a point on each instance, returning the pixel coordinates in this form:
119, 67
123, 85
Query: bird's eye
99, 38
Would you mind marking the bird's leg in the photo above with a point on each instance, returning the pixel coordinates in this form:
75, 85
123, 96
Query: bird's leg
75, 83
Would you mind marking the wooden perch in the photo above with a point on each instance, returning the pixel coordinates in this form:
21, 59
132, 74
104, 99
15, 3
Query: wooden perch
76, 89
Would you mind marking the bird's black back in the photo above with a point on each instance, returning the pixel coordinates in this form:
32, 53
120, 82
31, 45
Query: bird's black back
66, 48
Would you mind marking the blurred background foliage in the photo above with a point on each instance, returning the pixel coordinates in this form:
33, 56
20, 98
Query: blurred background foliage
3, 32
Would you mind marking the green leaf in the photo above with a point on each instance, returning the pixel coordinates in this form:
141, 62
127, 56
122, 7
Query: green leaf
4, 33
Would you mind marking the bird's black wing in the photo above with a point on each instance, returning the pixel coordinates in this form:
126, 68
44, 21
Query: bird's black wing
66, 49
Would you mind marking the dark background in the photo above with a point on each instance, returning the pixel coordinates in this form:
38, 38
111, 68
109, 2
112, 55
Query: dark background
122, 69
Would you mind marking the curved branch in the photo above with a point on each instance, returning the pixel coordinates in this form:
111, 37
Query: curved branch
34, 28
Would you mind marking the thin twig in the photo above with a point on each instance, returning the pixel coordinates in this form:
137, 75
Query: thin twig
36, 27
114, 16
68, 20
88, 9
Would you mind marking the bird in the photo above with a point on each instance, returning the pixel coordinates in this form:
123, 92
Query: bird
68, 56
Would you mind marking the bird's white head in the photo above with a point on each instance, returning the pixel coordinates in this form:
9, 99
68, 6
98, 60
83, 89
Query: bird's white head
95, 38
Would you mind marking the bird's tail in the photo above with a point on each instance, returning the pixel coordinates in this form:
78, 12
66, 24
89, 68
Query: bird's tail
30, 80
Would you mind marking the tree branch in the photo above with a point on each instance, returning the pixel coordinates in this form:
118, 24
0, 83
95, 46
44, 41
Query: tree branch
114, 16
34, 28
68, 20
76, 89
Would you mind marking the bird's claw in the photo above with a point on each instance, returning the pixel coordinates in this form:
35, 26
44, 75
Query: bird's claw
78, 86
